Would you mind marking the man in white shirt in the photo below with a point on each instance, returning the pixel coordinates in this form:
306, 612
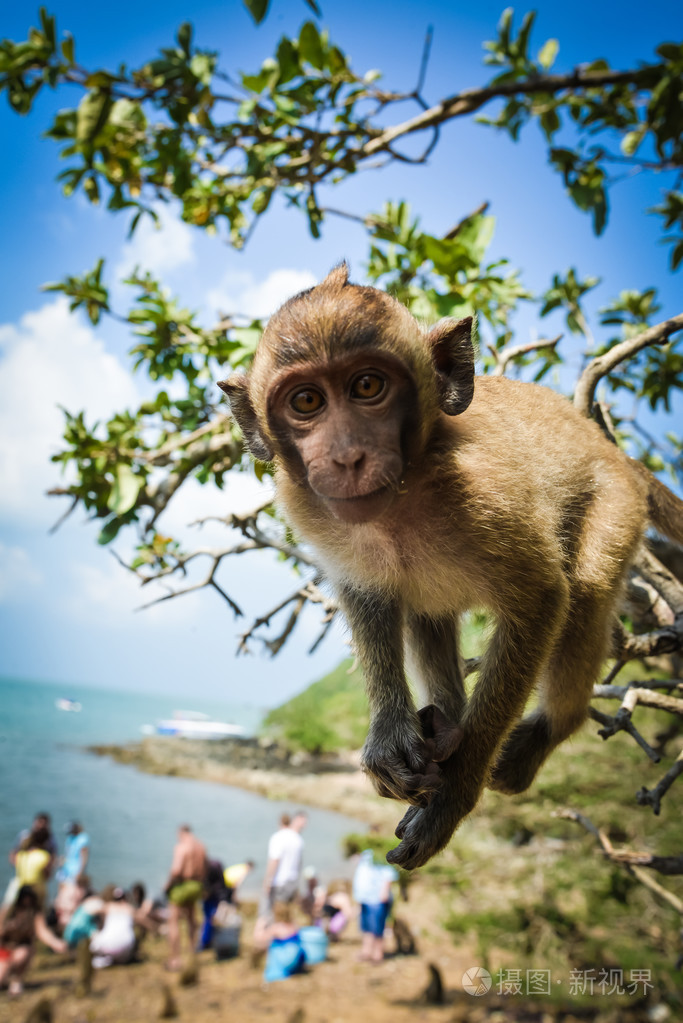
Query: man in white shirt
285, 855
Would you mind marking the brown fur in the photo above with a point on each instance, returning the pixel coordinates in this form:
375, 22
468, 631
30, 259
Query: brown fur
446, 492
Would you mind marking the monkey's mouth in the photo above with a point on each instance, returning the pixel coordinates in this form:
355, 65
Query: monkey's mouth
360, 507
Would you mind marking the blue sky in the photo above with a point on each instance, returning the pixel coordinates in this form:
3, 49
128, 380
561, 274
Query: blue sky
67, 609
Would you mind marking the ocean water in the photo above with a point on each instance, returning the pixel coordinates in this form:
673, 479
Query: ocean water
132, 817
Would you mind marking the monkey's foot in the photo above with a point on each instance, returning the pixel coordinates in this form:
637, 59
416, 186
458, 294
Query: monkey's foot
524, 751
424, 831
401, 767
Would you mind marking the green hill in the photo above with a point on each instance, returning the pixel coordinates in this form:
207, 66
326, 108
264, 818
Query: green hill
330, 715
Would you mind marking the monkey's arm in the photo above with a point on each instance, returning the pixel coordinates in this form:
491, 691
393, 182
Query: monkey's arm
395, 756
512, 663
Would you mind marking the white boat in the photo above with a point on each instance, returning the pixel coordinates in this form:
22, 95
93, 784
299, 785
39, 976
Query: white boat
64, 703
191, 724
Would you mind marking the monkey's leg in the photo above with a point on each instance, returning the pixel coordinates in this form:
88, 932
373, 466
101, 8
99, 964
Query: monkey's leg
564, 697
395, 755
516, 655
581, 649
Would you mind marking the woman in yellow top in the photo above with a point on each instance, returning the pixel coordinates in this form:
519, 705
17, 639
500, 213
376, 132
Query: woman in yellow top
32, 864
234, 876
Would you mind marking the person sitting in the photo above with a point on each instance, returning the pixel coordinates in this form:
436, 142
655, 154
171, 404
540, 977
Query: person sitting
115, 942
85, 920
285, 955
22, 924
337, 908
69, 897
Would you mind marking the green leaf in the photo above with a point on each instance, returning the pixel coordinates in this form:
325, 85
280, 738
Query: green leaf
125, 491
630, 142
310, 46
548, 53
92, 114
677, 255
257, 8
185, 37
109, 531
68, 49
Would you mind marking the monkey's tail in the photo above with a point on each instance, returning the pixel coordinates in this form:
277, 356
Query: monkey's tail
665, 510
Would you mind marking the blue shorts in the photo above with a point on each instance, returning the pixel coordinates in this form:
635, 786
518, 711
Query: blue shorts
373, 918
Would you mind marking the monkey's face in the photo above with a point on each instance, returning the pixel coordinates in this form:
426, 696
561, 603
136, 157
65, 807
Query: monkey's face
343, 428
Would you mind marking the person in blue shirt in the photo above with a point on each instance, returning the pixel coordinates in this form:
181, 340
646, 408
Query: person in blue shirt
372, 889
76, 853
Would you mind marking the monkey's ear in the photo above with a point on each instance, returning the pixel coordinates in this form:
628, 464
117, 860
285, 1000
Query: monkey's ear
337, 278
452, 352
237, 389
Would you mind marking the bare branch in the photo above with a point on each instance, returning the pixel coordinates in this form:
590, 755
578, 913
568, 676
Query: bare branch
455, 231
604, 364
62, 518
653, 797
621, 722
299, 595
641, 693
628, 860
506, 355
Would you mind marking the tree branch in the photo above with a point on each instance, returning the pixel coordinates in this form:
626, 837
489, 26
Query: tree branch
628, 859
466, 102
604, 364
506, 355
653, 797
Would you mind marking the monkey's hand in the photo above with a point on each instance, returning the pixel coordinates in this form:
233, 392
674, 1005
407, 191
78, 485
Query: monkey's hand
400, 763
442, 737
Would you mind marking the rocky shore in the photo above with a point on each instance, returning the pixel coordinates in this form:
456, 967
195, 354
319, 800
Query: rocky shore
329, 781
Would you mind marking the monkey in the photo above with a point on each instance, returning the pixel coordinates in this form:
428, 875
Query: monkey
426, 491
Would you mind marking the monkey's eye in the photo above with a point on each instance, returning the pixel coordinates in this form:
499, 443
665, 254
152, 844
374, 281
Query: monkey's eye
307, 401
366, 386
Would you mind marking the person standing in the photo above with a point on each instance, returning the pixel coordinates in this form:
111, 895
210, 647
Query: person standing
184, 889
42, 826
285, 855
372, 889
76, 854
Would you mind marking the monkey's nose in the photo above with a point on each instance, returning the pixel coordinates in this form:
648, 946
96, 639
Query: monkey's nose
351, 460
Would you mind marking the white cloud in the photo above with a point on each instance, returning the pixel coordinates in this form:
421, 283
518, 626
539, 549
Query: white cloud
106, 594
242, 492
158, 249
241, 293
49, 359
17, 572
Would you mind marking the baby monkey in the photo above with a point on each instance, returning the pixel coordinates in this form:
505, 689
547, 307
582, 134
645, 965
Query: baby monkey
426, 491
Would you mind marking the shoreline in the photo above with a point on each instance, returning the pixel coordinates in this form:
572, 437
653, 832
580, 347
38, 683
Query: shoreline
332, 782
